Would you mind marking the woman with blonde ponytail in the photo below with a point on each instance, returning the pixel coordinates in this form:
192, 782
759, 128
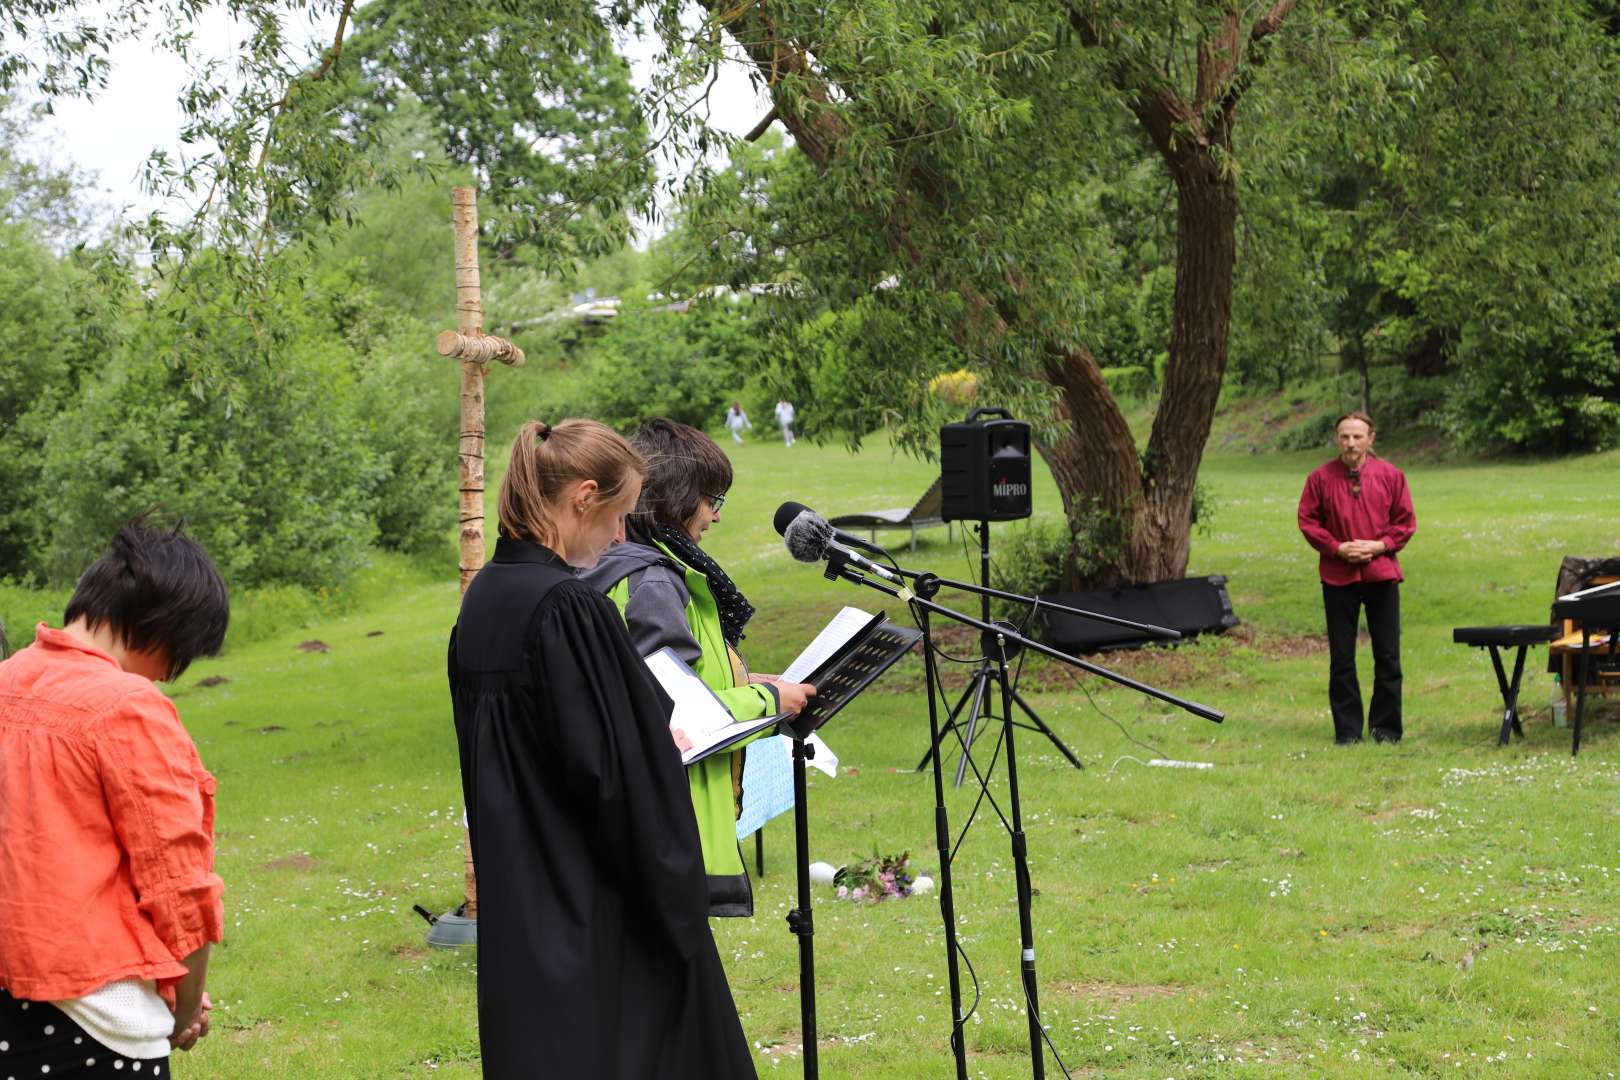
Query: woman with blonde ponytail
595, 955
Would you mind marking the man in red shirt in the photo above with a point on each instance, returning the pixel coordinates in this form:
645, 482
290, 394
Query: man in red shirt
1356, 511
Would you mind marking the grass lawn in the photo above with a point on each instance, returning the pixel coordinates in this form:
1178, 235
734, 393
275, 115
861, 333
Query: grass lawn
1443, 907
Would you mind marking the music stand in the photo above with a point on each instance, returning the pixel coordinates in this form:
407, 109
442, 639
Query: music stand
838, 680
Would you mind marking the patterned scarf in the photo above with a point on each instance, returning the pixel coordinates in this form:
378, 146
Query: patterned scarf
735, 610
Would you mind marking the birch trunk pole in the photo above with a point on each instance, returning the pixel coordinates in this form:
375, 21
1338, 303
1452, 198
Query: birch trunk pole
470, 324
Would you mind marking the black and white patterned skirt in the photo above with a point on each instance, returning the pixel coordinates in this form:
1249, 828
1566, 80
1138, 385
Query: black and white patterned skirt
39, 1042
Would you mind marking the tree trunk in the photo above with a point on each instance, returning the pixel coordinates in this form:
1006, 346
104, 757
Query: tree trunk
1096, 468
1132, 514
1206, 226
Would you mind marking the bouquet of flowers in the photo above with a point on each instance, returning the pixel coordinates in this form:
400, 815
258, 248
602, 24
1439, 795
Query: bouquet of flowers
877, 878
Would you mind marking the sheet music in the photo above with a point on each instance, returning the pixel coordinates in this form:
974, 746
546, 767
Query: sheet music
700, 723
844, 626
768, 779
767, 783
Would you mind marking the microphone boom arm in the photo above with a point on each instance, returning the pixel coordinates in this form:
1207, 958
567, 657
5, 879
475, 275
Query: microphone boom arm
934, 583
928, 583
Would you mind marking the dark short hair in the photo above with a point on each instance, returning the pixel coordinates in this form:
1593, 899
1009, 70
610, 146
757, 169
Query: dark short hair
683, 467
155, 588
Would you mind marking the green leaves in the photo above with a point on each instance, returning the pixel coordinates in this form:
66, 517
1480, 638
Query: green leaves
533, 98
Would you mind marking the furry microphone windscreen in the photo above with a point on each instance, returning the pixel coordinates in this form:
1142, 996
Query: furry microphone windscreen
807, 537
785, 515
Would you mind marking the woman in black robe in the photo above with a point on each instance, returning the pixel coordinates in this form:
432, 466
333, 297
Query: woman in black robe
595, 955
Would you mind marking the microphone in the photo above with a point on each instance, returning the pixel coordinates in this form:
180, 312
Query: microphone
810, 539
790, 510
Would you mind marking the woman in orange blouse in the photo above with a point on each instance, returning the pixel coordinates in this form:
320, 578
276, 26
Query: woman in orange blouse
108, 897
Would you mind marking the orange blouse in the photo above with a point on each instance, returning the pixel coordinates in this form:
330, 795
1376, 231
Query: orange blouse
106, 827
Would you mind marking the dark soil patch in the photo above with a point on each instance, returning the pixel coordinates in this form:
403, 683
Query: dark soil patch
297, 861
374, 633
213, 680
1112, 995
314, 645
270, 729
261, 1031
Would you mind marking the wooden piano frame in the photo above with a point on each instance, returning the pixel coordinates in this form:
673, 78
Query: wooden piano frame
1596, 643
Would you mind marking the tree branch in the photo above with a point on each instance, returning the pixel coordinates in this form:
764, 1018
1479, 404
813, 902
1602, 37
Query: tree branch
327, 61
1263, 27
758, 131
1217, 62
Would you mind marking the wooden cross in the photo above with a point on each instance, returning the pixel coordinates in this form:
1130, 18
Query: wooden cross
475, 349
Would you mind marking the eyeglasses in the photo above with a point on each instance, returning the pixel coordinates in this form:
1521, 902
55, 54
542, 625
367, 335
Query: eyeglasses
716, 501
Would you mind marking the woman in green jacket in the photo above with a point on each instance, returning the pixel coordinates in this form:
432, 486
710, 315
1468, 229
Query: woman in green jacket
673, 594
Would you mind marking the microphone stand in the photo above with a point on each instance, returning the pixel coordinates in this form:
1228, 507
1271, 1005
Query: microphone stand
974, 697
920, 598
799, 920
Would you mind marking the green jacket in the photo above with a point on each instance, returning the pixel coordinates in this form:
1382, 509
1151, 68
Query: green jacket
667, 603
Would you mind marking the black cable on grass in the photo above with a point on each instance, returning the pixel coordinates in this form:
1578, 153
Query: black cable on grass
1084, 689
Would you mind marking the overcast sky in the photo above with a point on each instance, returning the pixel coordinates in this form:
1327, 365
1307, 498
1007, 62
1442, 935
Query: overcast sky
112, 135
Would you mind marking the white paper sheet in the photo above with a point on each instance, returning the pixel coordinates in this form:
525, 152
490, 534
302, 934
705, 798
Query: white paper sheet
699, 721
768, 779
845, 625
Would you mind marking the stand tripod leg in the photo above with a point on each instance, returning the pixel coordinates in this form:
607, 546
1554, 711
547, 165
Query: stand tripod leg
1026, 930
950, 725
942, 839
1040, 725
981, 681
799, 919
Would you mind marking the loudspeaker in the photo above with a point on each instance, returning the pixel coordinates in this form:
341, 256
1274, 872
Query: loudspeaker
1190, 606
984, 468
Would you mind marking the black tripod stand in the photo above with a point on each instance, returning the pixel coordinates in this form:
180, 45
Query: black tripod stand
919, 596
990, 673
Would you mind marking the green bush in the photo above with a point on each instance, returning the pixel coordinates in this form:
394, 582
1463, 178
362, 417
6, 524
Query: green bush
1314, 433
687, 367
1027, 559
407, 409
1561, 396
53, 328
267, 459
1131, 381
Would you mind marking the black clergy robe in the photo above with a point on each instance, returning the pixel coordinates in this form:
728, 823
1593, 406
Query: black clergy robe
595, 957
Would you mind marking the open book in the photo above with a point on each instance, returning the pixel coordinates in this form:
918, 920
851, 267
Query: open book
701, 723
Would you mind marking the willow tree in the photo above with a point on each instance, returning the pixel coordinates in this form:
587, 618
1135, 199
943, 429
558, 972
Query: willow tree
961, 157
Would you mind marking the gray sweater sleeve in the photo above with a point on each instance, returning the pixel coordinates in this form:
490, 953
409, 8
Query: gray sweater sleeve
655, 612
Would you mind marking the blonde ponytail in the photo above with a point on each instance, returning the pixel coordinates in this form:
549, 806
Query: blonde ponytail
546, 459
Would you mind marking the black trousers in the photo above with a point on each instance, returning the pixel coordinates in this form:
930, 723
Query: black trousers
39, 1042
1343, 604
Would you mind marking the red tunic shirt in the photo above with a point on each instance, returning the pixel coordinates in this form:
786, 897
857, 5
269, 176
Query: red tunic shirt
106, 827
1332, 512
